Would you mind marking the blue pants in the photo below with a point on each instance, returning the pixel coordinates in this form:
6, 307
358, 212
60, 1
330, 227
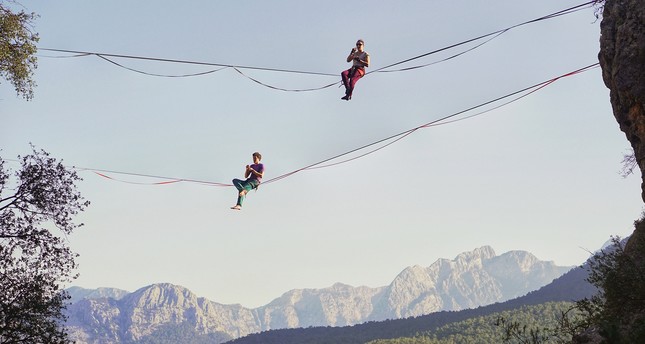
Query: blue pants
247, 185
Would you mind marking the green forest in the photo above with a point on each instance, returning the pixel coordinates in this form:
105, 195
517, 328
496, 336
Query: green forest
492, 328
483, 325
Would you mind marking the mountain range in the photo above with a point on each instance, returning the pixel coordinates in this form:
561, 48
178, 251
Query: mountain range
472, 279
564, 290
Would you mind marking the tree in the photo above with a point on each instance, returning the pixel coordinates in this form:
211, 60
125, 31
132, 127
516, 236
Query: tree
37, 204
629, 164
617, 313
18, 49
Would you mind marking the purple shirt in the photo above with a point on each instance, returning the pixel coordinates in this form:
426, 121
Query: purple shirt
258, 168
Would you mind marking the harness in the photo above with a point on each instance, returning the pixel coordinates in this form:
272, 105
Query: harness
360, 69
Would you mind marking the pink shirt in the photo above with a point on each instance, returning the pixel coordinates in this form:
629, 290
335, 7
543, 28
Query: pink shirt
361, 56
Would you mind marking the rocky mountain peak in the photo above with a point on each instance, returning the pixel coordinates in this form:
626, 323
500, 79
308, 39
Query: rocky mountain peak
162, 295
481, 253
473, 278
411, 273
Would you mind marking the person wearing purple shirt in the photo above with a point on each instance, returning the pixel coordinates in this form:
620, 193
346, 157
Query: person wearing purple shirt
253, 175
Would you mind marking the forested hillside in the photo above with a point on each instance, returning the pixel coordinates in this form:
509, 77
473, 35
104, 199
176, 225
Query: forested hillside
485, 329
570, 287
439, 328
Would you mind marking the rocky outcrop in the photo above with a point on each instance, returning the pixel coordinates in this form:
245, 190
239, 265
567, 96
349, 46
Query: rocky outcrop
622, 58
472, 279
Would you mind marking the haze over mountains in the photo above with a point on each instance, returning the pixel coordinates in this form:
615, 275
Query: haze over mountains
472, 279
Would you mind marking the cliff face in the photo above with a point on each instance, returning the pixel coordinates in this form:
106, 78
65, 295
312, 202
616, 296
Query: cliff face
622, 58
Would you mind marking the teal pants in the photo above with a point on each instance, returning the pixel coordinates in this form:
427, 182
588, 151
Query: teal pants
247, 185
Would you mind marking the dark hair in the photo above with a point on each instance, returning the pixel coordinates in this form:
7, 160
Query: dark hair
258, 155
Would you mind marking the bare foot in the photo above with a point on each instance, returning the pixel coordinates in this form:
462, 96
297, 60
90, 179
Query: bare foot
237, 207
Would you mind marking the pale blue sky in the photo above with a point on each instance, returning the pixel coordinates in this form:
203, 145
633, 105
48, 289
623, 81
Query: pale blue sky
541, 174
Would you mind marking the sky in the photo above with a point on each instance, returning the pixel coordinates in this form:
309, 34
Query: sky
541, 174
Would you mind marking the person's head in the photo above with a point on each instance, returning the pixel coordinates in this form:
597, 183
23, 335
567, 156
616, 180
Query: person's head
360, 44
257, 157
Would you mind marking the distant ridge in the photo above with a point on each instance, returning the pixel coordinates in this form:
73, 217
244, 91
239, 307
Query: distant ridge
570, 287
78, 293
470, 280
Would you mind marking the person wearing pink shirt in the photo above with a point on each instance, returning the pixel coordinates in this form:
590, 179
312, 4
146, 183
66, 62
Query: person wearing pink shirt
360, 60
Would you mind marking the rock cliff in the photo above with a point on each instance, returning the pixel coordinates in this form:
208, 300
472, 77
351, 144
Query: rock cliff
622, 58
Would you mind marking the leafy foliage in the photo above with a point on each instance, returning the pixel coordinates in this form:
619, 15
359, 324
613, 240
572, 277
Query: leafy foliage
616, 314
502, 327
618, 311
18, 49
36, 211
